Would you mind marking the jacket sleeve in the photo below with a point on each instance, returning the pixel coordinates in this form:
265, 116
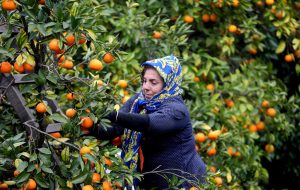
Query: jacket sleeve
168, 119
115, 130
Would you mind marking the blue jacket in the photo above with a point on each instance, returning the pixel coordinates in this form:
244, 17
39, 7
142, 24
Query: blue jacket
168, 146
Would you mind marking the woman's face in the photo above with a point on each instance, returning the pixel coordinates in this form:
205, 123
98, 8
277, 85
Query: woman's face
152, 83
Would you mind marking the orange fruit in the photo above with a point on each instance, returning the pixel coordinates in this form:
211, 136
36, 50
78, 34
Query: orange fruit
259, 4
196, 79
260, 125
269, 148
237, 154
95, 65
28, 67
235, 3
122, 83
31, 184
279, 14
218, 181
117, 141
19, 68
16, 173
70, 38
108, 58
82, 39
229, 103
289, 58
265, 104
252, 51
156, 35
271, 112
87, 122
108, 161
85, 150
67, 64
200, 137
5, 67
42, 2
297, 52
118, 185
54, 45
297, 5
96, 178
55, 134
269, 2
193, 188
211, 151
188, 19
9, 5
252, 128
100, 83
213, 18
210, 87
107, 186
213, 135
70, 96
205, 18
87, 187
70, 112
41, 107
60, 58
212, 169
232, 28
3, 186
230, 151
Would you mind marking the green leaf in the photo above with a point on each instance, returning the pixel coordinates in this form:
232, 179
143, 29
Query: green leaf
21, 39
59, 118
22, 177
41, 181
22, 166
41, 29
281, 47
47, 170
44, 150
80, 178
52, 78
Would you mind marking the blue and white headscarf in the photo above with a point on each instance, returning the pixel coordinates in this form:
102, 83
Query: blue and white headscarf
170, 70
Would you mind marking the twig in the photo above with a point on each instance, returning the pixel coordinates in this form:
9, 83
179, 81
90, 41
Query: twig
32, 127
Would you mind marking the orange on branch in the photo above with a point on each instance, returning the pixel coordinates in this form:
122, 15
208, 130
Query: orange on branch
289, 58
108, 58
31, 184
41, 107
87, 187
9, 5
213, 18
211, 151
55, 134
200, 137
265, 104
70, 96
122, 83
235, 3
232, 28
108, 161
96, 178
188, 19
218, 181
252, 128
82, 39
87, 122
106, 185
5, 67
269, 148
60, 58
271, 112
67, 64
156, 35
54, 45
28, 67
260, 125
42, 2
70, 112
70, 38
205, 18
95, 65
210, 87
19, 68
85, 150
214, 135
3, 186
269, 2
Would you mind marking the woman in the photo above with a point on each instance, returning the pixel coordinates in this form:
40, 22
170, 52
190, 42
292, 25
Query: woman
157, 129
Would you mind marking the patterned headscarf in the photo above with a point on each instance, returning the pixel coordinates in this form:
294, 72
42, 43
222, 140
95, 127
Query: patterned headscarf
170, 70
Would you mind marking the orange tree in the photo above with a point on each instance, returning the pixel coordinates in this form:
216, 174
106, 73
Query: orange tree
231, 50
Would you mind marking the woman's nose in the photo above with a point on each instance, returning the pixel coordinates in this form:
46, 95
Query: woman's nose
146, 86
